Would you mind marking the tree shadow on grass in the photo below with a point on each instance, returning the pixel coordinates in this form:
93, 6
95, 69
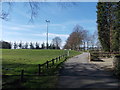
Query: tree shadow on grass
11, 76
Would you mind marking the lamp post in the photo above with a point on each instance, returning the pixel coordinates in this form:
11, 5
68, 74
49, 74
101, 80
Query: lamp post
47, 21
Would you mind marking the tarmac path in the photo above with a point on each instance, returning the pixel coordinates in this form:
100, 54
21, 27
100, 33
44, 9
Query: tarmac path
79, 72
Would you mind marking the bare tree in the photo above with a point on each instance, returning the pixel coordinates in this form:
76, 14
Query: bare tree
57, 42
33, 7
75, 39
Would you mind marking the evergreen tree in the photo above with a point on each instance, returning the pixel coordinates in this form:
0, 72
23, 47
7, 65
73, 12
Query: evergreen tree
15, 45
37, 45
108, 19
26, 45
20, 45
43, 46
116, 27
103, 28
31, 46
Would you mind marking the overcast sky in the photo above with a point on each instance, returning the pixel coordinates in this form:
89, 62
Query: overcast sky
62, 21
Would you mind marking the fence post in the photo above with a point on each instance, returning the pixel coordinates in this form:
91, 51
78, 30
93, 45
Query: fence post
47, 64
52, 61
59, 58
39, 69
66, 56
56, 59
22, 75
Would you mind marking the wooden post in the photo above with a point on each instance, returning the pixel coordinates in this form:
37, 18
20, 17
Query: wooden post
52, 61
47, 64
22, 75
39, 69
59, 57
56, 59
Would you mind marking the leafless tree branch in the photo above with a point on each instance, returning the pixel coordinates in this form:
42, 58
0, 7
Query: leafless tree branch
34, 9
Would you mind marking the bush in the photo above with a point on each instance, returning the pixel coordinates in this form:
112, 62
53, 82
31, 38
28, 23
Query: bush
116, 64
5, 45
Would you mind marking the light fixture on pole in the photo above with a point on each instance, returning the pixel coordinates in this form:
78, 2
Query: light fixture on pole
47, 21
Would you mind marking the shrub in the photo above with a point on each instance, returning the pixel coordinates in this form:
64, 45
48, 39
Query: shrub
116, 64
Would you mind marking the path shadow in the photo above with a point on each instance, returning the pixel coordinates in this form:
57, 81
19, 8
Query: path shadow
97, 60
85, 75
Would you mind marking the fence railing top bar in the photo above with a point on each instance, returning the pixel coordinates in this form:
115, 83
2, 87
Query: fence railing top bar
52, 59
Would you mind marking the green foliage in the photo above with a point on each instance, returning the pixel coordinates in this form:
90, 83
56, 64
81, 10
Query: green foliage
37, 46
20, 45
103, 30
31, 46
116, 64
15, 45
5, 45
108, 19
26, 45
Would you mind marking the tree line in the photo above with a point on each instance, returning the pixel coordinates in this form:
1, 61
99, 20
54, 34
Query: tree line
55, 44
108, 20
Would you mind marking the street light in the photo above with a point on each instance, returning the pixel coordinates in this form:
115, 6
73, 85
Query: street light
47, 21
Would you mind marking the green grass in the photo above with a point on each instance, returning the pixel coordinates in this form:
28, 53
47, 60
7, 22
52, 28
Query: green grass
13, 61
23, 56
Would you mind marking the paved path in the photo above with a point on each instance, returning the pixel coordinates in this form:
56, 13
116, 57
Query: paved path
78, 72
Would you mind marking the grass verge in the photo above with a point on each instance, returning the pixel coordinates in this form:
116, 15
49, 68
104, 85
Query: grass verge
15, 60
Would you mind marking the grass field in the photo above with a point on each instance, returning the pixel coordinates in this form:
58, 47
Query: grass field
13, 61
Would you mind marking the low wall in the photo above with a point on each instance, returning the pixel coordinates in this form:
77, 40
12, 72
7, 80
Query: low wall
116, 64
